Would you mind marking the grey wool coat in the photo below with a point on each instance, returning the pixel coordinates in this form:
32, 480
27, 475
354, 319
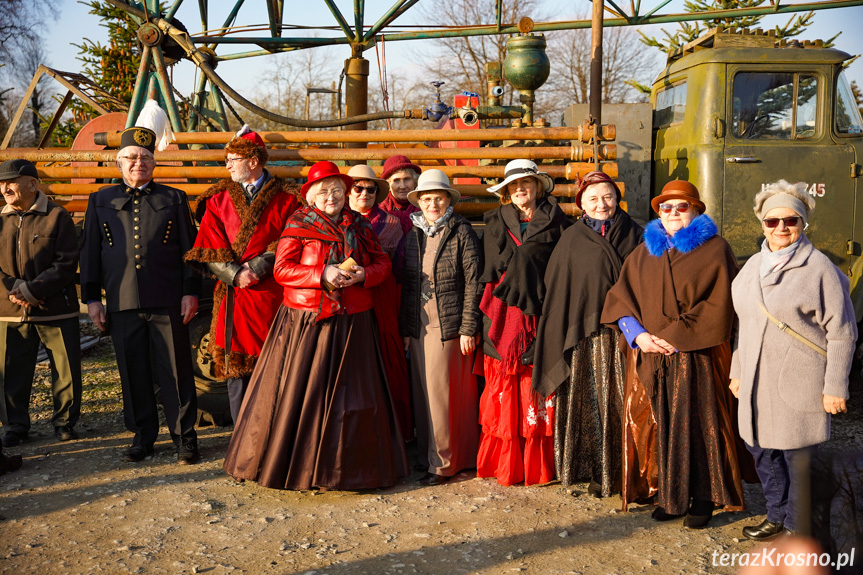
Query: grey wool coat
781, 379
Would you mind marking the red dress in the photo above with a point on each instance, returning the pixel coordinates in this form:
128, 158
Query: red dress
517, 442
386, 306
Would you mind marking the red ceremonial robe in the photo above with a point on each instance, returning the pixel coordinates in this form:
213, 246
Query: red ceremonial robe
233, 231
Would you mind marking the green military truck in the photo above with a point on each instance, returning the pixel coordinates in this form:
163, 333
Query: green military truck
735, 110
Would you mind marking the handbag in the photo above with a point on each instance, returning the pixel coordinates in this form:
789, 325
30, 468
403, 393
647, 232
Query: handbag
784, 327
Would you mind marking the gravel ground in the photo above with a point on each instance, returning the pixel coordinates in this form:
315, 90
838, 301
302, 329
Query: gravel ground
75, 507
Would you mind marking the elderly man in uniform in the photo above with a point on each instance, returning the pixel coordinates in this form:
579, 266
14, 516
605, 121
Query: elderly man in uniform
135, 235
38, 260
242, 219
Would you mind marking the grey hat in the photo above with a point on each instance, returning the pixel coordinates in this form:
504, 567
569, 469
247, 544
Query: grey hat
433, 181
11, 169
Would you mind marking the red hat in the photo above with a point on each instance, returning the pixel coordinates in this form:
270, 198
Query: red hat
595, 178
678, 190
254, 137
398, 163
322, 170
248, 144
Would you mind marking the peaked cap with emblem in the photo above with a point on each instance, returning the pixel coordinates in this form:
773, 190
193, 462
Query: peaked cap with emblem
137, 136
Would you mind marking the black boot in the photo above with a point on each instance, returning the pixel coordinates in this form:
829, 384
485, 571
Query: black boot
699, 514
763, 532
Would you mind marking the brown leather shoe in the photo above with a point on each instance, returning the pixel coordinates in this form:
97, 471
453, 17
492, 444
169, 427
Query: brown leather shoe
188, 455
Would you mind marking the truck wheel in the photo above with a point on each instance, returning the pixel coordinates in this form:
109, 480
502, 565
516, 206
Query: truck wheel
213, 405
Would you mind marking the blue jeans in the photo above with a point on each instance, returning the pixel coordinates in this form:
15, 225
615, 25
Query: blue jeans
775, 468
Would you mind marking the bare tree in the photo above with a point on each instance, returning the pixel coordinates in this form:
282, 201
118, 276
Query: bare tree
285, 83
461, 61
41, 102
22, 21
624, 60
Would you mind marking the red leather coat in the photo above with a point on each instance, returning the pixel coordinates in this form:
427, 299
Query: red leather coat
300, 265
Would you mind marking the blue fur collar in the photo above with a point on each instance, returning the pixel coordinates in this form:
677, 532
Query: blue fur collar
699, 231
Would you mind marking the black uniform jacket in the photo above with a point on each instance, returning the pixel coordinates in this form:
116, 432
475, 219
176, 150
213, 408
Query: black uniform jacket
133, 245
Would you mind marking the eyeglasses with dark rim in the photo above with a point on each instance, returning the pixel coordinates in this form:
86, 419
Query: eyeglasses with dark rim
229, 161
789, 222
680, 208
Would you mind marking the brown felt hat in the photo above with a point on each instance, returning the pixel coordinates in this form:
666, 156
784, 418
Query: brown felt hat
678, 190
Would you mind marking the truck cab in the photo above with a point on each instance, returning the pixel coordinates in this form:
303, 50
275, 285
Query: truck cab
735, 110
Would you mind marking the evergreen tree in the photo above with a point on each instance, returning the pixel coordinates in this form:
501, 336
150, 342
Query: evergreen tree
114, 66
689, 31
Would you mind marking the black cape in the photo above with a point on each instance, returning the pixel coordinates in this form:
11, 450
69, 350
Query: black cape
582, 268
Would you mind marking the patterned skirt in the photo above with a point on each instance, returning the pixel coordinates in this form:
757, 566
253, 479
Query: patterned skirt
588, 426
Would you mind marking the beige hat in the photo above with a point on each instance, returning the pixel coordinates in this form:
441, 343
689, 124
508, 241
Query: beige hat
517, 169
433, 181
364, 172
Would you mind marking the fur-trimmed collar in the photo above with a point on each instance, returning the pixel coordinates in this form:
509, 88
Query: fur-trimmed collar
695, 234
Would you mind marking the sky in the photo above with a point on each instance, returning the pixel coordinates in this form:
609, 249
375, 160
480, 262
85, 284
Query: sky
74, 23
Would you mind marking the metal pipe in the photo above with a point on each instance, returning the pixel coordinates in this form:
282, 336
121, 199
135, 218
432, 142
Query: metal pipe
582, 133
357, 92
570, 171
492, 30
339, 18
201, 60
394, 12
197, 103
218, 107
467, 190
576, 153
165, 88
140, 85
596, 63
467, 209
229, 20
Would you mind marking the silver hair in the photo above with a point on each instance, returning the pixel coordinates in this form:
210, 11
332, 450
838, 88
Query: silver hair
414, 174
797, 190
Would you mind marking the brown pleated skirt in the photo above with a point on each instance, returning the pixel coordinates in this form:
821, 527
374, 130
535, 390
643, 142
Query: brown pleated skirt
318, 411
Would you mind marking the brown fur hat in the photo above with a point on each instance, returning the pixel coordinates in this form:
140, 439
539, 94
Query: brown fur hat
248, 148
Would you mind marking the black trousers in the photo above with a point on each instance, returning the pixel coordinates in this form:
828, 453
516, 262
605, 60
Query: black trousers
236, 391
154, 356
19, 346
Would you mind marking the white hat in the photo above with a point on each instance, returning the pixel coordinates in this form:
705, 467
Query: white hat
518, 169
433, 181
364, 172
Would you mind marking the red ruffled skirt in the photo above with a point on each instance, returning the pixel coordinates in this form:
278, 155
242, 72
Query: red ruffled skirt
517, 442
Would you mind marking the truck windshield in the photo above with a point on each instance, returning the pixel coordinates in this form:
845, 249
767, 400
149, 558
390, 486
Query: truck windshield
847, 114
774, 106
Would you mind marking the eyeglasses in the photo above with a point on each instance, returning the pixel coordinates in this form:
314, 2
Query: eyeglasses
334, 193
432, 200
789, 222
369, 190
135, 159
680, 208
229, 161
